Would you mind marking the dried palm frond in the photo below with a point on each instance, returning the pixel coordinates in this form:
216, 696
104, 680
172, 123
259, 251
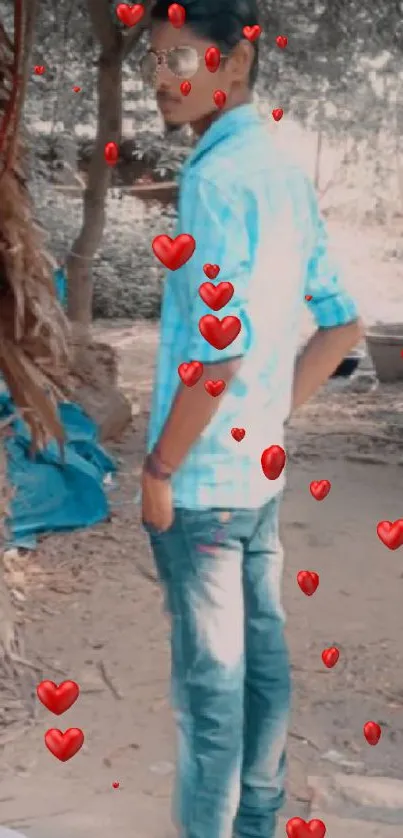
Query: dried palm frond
34, 350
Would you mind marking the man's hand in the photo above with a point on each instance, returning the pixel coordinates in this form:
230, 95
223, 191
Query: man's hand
321, 357
157, 509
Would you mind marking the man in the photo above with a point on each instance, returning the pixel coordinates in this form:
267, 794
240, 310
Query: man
211, 514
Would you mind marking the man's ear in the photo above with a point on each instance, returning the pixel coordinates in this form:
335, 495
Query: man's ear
241, 60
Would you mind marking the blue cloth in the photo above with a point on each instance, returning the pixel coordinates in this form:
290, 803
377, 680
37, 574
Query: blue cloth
230, 671
51, 495
60, 280
256, 216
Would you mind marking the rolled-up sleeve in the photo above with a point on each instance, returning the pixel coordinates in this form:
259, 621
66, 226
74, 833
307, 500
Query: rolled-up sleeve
327, 299
220, 225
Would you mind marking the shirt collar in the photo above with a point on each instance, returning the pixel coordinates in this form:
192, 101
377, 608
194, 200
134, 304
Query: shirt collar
226, 125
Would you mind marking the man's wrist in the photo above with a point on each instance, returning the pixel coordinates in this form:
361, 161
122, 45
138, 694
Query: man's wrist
165, 464
154, 466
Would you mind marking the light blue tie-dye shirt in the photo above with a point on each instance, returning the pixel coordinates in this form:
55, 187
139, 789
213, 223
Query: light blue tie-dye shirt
256, 216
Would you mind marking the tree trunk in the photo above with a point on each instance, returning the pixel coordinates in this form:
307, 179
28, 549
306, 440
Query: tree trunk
115, 46
79, 263
30, 22
95, 389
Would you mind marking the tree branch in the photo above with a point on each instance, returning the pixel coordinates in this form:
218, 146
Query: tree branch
30, 22
102, 24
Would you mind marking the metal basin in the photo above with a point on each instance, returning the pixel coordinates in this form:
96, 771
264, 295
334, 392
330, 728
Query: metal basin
385, 346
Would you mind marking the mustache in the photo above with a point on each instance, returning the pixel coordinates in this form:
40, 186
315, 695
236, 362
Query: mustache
167, 97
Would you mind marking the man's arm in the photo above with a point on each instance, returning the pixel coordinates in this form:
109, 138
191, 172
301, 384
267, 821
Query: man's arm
217, 222
320, 358
333, 310
192, 410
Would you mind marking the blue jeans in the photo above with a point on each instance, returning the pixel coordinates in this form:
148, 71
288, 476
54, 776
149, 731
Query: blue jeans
221, 572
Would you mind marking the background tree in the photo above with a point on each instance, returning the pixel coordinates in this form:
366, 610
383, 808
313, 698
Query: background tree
114, 48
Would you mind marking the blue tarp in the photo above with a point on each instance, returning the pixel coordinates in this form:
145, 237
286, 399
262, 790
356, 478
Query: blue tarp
52, 495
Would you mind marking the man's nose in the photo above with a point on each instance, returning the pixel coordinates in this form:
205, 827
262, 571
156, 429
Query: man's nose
163, 78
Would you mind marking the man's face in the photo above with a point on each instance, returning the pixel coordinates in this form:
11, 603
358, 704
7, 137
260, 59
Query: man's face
177, 64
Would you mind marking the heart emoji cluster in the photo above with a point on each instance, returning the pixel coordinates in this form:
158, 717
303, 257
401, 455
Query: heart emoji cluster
220, 333
57, 699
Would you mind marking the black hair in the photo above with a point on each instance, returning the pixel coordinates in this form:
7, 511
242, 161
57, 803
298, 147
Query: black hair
221, 21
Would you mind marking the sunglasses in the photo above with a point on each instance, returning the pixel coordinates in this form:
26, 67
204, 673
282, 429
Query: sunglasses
183, 62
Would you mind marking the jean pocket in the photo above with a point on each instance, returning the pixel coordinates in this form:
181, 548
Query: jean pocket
208, 526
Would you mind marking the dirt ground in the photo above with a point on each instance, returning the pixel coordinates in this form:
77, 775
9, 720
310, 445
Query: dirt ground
93, 614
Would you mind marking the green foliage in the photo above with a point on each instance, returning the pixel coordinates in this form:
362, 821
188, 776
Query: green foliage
167, 153
326, 60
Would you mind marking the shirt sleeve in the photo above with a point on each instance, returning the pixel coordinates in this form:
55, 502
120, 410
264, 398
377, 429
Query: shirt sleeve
220, 226
327, 299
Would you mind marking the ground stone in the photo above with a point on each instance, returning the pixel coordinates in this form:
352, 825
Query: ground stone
371, 798
346, 828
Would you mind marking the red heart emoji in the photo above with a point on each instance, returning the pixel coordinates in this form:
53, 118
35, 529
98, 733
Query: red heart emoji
298, 828
372, 732
215, 388
252, 32
330, 656
277, 114
238, 433
58, 699
216, 296
64, 745
220, 98
130, 15
391, 533
174, 253
76, 88
176, 15
111, 153
219, 333
308, 581
185, 88
190, 373
273, 461
320, 489
282, 41
39, 69
211, 271
308, 297
212, 58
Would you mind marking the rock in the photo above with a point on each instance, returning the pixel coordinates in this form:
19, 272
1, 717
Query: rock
109, 409
95, 373
374, 798
337, 758
364, 382
346, 828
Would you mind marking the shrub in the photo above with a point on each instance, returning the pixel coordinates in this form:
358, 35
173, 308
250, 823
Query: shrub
127, 277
